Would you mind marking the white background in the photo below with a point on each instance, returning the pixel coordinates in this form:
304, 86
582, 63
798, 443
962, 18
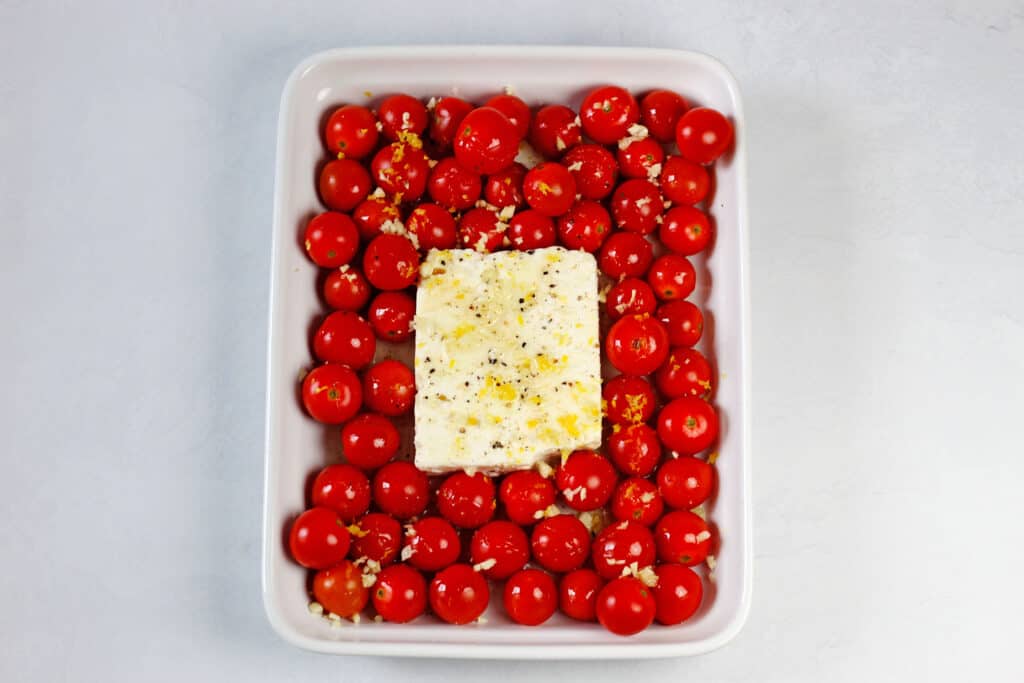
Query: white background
887, 219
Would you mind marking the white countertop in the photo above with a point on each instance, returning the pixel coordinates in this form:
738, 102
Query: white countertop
887, 221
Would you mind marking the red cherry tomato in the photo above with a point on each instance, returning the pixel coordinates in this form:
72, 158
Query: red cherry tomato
672, 277
531, 229
685, 482
402, 113
401, 490
525, 495
555, 129
343, 184
636, 499
346, 289
503, 542
685, 230
678, 593
434, 542
372, 213
688, 425
467, 500
607, 113
318, 538
625, 254
514, 109
638, 158
332, 394
586, 480
594, 168
628, 400
344, 489
659, 112
577, 594
433, 226
682, 537
389, 387
620, 545
586, 226
399, 594
331, 239
625, 606
369, 441
377, 537
636, 206
340, 589
686, 372
634, 449
637, 344
531, 597
549, 188
459, 595
684, 182
351, 132
452, 186
401, 170
448, 114
703, 135
560, 543
631, 296
487, 142
505, 188
346, 338
391, 262
482, 230
683, 320
391, 315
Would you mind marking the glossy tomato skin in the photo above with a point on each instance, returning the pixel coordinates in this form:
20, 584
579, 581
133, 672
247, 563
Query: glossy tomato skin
683, 320
560, 543
636, 206
682, 537
517, 112
378, 537
391, 314
343, 184
467, 500
369, 441
401, 170
555, 129
685, 482
389, 387
625, 254
703, 135
391, 262
530, 597
634, 449
452, 186
685, 230
344, 489
481, 229
531, 229
684, 182
686, 372
637, 499
503, 542
331, 239
486, 142
505, 188
577, 594
641, 158
433, 227
631, 296
678, 593
660, 111
525, 495
688, 425
585, 226
628, 400
318, 538
586, 480
637, 344
549, 188
594, 168
625, 606
331, 393
351, 131
459, 595
434, 542
401, 490
672, 277
339, 589
620, 545
372, 213
346, 290
345, 338
399, 594
402, 113
607, 113
447, 115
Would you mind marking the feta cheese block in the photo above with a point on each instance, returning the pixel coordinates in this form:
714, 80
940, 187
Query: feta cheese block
508, 366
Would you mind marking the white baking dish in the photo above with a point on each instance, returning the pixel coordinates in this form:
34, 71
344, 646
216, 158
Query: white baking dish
296, 446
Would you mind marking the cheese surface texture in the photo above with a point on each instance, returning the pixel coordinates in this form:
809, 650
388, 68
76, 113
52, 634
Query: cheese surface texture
508, 367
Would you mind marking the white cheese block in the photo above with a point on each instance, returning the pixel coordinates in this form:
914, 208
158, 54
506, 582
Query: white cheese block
508, 367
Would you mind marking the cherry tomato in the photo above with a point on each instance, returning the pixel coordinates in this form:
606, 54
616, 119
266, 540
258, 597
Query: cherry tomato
678, 593
487, 142
628, 400
620, 545
525, 495
631, 296
682, 536
531, 229
433, 226
672, 277
560, 543
577, 594
625, 606
625, 254
331, 239
459, 595
686, 372
586, 226
401, 490
514, 109
531, 597
399, 594
467, 500
505, 188
344, 337
555, 129
401, 170
377, 537
685, 230
346, 289
688, 425
607, 113
503, 542
482, 230
340, 589
684, 182
372, 213
391, 262
637, 344
586, 480
549, 188
318, 538
659, 112
391, 315
594, 168
685, 482
344, 489
634, 449
369, 441
448, 114
434, 542
343, 184
683, 320
389, 387
452, 186
636, 206
332, 394
402, 113
636, 499
703, 135
351, 131
638, 158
